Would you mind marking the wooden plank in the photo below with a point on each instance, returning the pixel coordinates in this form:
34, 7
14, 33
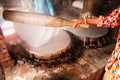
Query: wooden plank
98, 75
92, 60
85, 68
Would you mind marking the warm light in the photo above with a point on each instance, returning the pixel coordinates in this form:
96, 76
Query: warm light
7, 28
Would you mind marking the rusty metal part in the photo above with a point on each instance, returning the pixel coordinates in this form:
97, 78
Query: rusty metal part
38, 19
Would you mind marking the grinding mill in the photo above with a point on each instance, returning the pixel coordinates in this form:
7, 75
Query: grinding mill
39, 46
36, 39
92, 37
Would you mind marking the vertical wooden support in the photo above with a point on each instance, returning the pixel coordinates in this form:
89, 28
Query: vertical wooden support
70, 2
93, 6
100, 7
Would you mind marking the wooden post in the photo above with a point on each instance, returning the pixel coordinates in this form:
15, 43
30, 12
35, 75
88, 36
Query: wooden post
100, 7
92, 6
70, 2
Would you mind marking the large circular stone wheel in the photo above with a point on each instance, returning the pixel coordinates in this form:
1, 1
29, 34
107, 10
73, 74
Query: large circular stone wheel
64, 47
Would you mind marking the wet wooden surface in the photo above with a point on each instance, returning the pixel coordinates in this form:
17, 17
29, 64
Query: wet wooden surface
94, 59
